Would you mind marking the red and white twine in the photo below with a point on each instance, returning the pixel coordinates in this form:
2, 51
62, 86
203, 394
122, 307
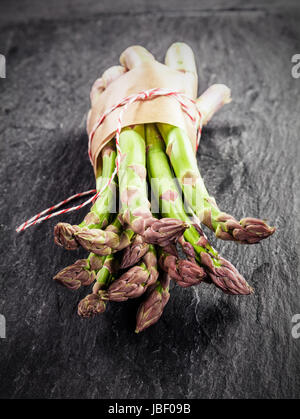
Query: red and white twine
123, 104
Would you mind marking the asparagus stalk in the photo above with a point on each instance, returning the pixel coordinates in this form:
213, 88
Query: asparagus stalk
180, 57
184, 163
152, 308
180, 152
134, 282
150, 260
225, 276
222, 273
135, 211
130, 285
99, 214
109, 75
213, 99
93, 303
184, 272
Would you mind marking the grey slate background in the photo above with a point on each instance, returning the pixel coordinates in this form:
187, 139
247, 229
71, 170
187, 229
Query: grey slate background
207, 345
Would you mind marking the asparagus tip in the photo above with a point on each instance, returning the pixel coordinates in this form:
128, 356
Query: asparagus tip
246, 231
226, 276
134, 252
64, 236
97, 241
165, 231
132, 284
91, 305
76, 275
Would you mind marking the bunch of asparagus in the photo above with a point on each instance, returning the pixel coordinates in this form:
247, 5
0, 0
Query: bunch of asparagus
134, 252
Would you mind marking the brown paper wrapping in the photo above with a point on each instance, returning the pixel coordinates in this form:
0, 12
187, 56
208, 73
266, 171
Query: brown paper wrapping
161, 109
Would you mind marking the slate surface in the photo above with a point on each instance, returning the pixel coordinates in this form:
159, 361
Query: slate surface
207, 345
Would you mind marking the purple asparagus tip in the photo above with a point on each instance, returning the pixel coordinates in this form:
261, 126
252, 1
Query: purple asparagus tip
253, 230
226, 277
185, 273
64, 236
76, 275
187, 248
91, 305
132, 284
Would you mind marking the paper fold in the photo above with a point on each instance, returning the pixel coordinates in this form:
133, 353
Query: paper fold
161, 109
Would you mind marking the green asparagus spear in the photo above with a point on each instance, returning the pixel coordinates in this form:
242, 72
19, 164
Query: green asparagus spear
135, 211
222, 273
152, 308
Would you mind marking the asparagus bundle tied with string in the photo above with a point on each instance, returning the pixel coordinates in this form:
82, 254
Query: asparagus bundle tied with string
155, 205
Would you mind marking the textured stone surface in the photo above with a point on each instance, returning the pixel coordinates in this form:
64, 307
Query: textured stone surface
206, 344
